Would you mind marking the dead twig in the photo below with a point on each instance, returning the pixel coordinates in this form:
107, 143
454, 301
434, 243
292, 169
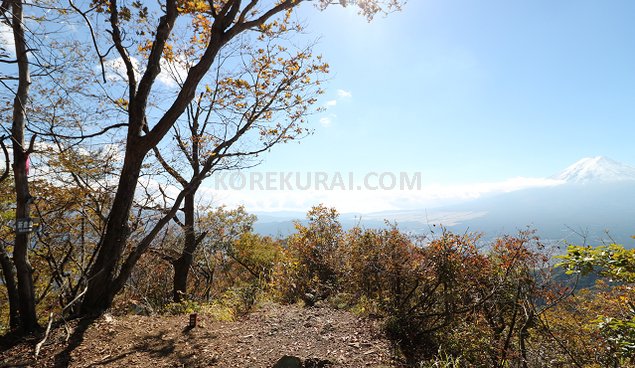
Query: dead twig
46, 335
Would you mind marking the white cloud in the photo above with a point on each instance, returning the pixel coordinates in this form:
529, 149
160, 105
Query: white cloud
170, 72
6, 40
344, 94
341, 94
116, 69
520, 182
326, 121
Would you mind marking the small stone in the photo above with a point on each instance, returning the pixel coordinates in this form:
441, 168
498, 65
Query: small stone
288, 362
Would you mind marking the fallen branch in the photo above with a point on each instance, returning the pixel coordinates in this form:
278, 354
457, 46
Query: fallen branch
46, 335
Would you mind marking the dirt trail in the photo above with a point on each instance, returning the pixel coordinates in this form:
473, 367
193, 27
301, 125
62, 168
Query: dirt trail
258, 340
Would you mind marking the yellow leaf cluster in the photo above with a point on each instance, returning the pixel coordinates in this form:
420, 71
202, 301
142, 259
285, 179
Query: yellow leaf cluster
193, 6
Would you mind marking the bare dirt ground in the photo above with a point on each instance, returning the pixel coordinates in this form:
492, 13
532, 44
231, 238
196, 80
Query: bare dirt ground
258, 340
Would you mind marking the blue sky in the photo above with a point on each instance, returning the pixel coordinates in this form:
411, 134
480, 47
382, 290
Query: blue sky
472, 91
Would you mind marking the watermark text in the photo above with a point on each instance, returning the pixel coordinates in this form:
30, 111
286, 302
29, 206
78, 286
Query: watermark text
318, 180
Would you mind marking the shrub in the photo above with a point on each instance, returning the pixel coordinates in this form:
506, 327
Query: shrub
311, 266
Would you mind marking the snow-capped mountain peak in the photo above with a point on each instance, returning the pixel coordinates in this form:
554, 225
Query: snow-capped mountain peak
597, 169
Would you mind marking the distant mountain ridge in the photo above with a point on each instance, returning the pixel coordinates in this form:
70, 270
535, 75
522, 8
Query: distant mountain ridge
595, 198
596, 169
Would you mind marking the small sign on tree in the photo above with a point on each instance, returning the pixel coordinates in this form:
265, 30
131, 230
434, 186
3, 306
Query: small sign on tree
24, 225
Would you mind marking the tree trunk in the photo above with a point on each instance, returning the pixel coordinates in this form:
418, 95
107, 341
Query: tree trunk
24, 272
12, 289
103, 283
523, 336
183, 263
101, 290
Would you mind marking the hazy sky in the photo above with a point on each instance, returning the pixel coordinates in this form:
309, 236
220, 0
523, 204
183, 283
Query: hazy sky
471, 91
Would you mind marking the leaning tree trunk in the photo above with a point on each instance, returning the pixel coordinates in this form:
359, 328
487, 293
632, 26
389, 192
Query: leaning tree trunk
101, 287
24, 272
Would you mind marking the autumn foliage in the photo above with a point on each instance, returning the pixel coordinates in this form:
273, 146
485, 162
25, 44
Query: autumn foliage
455, 298
442, 298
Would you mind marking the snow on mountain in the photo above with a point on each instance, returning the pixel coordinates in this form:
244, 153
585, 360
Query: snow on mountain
597, 169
